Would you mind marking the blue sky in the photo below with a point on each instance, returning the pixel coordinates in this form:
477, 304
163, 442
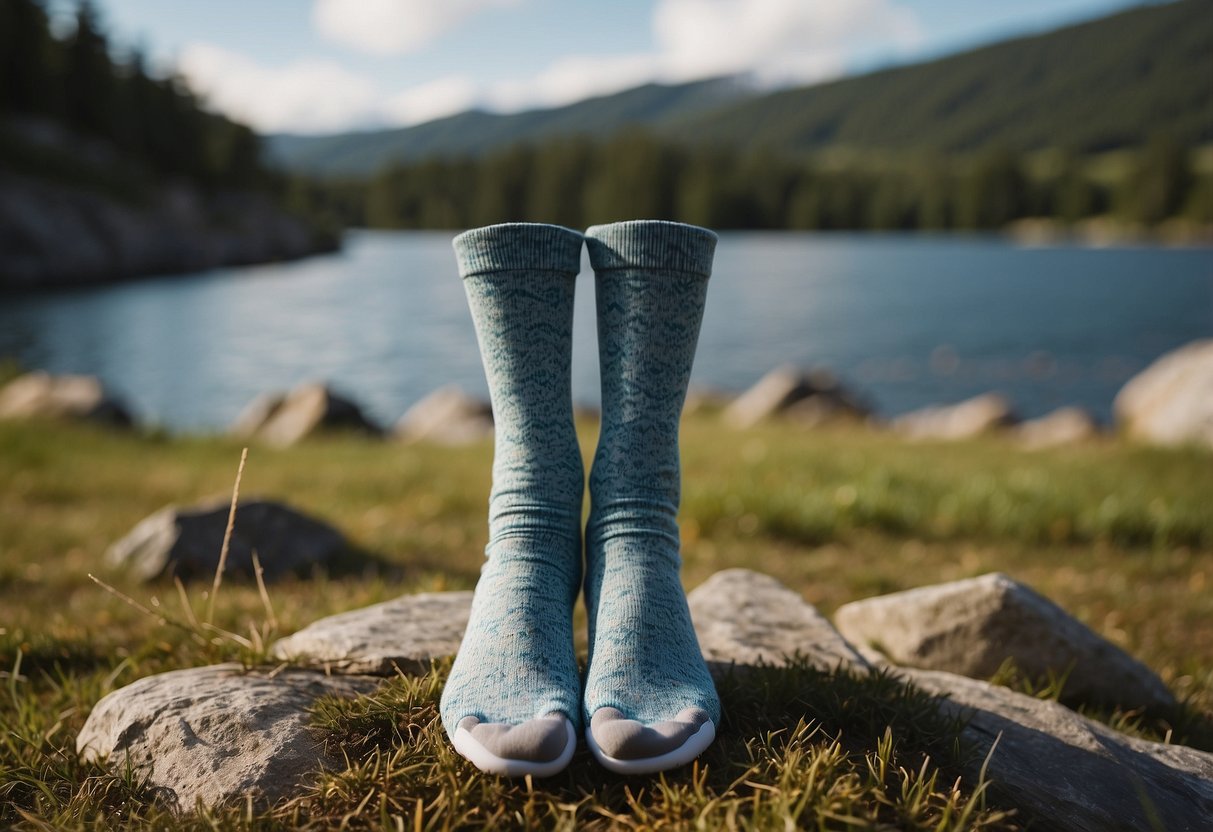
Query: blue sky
327, 65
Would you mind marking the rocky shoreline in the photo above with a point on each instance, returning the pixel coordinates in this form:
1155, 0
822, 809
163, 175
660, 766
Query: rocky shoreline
54, 235
1168, 403
75, 211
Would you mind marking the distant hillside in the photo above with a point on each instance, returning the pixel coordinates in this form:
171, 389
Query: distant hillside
476, 133
1099, 85
1095, 86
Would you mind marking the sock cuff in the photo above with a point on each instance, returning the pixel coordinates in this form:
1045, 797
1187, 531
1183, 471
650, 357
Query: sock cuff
651, 244
530, 246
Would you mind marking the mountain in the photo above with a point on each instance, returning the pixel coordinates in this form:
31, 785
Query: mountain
1098, 85
1095, 86
476, 132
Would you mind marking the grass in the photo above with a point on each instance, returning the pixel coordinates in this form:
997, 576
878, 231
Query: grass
1117, 534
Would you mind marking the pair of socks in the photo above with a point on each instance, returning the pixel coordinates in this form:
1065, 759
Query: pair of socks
514, 703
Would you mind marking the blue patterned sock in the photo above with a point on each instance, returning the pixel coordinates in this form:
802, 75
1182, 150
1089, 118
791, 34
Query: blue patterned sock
649, 701
511, 704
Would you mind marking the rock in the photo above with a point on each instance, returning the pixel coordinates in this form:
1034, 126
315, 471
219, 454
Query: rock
407, 633
448, 416
970, 627
1068, 772
216, 734
55, 234
284, 419
746, 618
808, 398
1171, 401
40, 395
1063, 426
186, 541
963, 420
256, 414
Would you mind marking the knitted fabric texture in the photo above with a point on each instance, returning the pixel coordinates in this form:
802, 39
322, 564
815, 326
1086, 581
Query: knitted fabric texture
516, 662
650, 282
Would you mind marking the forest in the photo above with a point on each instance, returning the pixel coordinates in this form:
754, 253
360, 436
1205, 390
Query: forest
824, 157
578, 182
77, 81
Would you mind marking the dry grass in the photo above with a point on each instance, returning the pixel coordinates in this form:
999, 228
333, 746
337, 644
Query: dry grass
1117, 534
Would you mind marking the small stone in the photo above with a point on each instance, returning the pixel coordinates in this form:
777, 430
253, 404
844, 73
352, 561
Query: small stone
971, 627
256, 414
448, 416
1064, 426
213, 735
40, 395
186, 542
1171, 401
972, 417
744, 618
284, 419
405, 634
1065, 771
808, 398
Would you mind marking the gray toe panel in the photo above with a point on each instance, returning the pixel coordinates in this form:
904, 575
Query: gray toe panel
626, 739
538, 740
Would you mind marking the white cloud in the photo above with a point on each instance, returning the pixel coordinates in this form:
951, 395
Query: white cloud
433, 99
393, 27
776, 40
571, 79
308, 96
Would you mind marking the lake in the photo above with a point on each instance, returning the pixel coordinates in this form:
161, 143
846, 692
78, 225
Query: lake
908, 320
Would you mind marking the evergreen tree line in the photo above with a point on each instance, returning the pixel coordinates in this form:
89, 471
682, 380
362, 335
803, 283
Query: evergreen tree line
577, 182
76, 81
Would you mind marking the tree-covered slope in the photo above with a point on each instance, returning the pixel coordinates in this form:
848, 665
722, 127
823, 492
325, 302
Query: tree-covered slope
476, 132
1095, 86
1107, 83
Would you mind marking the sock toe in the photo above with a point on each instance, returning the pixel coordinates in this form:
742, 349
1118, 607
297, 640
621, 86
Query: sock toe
628, 746
540, 747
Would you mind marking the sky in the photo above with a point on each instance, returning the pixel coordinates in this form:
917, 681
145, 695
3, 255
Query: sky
321, 66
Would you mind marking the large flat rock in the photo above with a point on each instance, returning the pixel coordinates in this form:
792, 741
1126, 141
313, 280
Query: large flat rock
216, 734
1069, 772
972, 626
744, 618
406, 633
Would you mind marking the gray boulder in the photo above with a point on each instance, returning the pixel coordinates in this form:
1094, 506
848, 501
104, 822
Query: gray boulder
448, 416
1171, 401
1069, 772
971, 627
405, 634
808, 398
186, 542
1062, 770
1064, 426
213, 735
747, 618
283, 419
40, 395
972, 417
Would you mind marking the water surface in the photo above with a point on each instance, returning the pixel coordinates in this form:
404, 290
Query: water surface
908, 320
